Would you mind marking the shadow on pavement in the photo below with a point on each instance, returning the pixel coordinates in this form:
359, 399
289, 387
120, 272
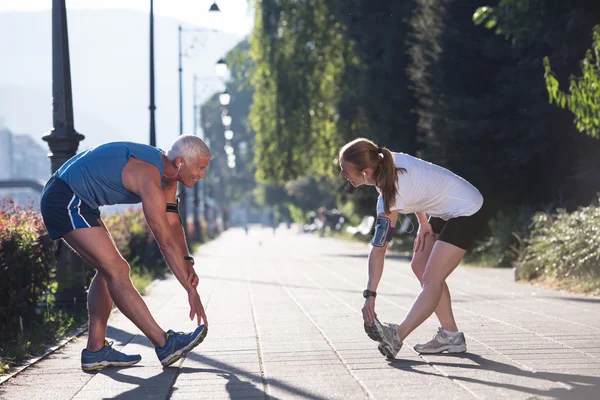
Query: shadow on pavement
156, 388
147, 387
234, 371
357, 292
581, 386
388, 256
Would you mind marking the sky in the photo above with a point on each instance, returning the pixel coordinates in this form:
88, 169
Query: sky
235, 17
26, 81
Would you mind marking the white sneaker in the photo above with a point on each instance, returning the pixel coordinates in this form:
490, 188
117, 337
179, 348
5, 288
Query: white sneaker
387, 336
441, 342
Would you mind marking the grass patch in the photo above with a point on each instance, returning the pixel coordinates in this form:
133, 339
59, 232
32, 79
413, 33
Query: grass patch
142, 277
481, 260
33, 341
54, 325
573, 285
141, 281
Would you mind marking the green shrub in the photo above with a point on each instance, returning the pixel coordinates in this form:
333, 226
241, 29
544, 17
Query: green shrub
26, 265
28, 319
135, 241
502, 244
563, 245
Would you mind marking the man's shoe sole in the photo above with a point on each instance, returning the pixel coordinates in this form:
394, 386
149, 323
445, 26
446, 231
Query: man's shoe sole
450, 348
183, 352
104, 364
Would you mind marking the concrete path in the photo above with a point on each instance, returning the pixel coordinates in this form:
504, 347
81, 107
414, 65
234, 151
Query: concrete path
285, 322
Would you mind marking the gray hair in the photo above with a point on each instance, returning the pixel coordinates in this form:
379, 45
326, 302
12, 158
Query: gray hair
188, 146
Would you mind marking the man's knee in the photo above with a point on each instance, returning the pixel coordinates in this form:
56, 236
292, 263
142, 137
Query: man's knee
116, 270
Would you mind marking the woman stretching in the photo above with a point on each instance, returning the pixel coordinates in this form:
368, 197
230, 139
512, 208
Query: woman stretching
410, 185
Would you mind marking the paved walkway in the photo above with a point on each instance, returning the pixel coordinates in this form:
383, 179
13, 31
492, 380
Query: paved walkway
285, 322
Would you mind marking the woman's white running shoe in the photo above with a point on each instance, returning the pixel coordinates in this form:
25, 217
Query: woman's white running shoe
441, 342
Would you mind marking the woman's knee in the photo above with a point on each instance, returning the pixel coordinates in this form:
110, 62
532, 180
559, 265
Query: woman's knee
418, 268
432, 281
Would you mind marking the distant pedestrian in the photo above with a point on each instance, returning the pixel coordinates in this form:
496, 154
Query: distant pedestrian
410, 185
127, 173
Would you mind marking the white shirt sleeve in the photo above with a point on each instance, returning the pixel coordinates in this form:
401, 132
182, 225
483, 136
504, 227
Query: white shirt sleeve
398, 205
380, 205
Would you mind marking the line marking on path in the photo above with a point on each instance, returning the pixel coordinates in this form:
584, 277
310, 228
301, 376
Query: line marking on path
364, 388
263, 374
457, 308
438, 369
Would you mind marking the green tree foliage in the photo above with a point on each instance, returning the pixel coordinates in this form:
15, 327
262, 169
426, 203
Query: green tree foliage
326, 72
299, 55
560, 31
474, 116
483, 109
329, 71
526, 21
583, 98
377, 99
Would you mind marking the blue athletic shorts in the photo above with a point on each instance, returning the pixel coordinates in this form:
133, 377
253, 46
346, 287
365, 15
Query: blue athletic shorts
63, 211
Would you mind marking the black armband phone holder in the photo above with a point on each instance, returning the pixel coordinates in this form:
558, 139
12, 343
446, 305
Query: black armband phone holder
384, 231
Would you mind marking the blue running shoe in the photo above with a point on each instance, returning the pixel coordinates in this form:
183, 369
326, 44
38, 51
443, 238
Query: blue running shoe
179, 344
106, 357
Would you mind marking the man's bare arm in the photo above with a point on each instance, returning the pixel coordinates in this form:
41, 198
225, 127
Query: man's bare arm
174, 219
173, 248
178, 232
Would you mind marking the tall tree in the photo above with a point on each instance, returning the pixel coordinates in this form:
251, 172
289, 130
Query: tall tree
298, 51
483, 108
557, 32
326, 72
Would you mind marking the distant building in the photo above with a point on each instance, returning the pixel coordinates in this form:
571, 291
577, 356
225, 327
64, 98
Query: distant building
22, 157
5, 153
30, 159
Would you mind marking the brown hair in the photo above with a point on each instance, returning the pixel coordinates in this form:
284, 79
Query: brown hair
364, 154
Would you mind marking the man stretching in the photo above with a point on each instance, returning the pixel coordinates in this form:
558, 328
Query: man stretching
127, 173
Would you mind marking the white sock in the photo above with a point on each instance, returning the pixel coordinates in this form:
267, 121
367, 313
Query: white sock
451, 334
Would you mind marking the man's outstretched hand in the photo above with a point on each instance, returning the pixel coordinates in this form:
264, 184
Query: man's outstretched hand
196, 307
192, 277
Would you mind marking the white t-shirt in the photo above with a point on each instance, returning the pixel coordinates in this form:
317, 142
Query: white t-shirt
429, 188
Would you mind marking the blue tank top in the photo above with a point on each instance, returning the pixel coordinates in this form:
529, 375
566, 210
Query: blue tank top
95, 175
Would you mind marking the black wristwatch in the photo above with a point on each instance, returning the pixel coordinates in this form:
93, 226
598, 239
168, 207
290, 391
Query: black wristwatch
190, 259
368, 293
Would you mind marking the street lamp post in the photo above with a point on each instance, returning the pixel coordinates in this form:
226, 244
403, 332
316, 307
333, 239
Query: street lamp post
63, 142
199, 188
197, 196
182, 188
152, 106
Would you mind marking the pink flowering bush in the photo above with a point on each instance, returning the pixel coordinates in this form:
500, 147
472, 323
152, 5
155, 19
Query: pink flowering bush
134, 240
26, 264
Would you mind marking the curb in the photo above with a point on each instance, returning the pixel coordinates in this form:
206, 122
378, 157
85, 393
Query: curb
49, 351
62, 343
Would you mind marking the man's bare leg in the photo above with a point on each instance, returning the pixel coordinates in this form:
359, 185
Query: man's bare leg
99, 306
96, 247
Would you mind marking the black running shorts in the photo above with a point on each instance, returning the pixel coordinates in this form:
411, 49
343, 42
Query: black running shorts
459, 231
63, 211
